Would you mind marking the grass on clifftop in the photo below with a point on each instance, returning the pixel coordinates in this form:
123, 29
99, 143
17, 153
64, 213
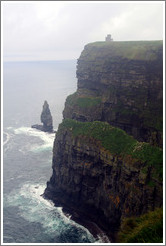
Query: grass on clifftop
137, 50
147, 228
118, 142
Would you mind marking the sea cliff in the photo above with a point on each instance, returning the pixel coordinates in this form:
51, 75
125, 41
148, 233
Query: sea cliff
107, 154
121, 83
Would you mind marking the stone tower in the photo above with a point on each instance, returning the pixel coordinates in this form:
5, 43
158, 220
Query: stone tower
108, 38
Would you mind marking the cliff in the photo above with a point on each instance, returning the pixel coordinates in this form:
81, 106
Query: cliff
107, 156
121, 83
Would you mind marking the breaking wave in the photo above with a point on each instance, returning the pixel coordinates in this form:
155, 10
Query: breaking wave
34, 208
47, 139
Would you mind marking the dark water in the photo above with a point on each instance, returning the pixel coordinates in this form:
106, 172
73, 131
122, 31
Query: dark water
27, 153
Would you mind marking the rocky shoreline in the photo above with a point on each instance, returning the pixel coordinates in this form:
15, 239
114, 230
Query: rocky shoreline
82, 219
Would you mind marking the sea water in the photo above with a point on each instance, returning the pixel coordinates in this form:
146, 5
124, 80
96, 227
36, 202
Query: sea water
27, 153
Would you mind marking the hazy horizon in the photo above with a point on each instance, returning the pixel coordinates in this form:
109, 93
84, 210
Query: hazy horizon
55, 30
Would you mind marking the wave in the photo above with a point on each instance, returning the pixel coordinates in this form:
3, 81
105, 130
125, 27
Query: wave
7, 136
47, 138
34, 208
44, 141
102, 238
7, 139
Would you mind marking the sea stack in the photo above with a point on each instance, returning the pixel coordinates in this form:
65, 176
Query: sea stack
46, 119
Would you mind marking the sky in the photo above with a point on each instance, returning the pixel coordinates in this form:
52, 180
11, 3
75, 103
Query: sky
59, 30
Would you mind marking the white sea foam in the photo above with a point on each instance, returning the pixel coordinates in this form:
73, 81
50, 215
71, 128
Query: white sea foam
7, 144
9, 127
34, 208
102, 238
7, 138
47, 138
35, 191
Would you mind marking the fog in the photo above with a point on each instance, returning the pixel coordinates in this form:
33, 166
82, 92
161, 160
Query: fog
54, 30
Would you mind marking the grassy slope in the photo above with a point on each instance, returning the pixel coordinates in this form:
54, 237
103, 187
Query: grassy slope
118, 142
144, 229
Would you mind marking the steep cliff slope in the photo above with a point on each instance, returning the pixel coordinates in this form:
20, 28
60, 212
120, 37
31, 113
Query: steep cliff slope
100, 171
121, 83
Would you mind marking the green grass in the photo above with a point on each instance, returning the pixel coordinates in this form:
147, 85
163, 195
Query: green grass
113, 139
146, 152
147, 228
136, 50
83, 102
118, 142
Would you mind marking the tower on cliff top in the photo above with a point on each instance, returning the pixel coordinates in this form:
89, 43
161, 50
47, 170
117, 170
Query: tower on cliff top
108, 38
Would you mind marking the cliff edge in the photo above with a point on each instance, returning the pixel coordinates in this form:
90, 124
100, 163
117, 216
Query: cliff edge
107, 155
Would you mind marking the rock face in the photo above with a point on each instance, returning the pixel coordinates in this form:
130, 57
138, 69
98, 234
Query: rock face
121, 83
107, 156
104, 180
46, 119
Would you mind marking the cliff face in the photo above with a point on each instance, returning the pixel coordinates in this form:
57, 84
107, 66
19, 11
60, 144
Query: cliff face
121, 83
98, 169
104, 173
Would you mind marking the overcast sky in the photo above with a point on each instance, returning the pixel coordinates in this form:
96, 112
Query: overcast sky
58, 30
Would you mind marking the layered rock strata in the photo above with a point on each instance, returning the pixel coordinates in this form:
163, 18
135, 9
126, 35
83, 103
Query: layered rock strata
107, 156
104, 177
121, 83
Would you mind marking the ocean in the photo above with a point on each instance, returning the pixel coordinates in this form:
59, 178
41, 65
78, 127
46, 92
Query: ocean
27, 153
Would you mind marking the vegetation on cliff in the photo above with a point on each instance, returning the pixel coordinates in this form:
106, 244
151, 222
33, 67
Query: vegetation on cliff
137, 50
107, 157
82, 101
121, 83
118, 142
143, 229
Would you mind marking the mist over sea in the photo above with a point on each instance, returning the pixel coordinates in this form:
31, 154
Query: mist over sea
27, 153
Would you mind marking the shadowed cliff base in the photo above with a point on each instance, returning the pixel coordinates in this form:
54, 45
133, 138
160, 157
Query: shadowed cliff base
79, 217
